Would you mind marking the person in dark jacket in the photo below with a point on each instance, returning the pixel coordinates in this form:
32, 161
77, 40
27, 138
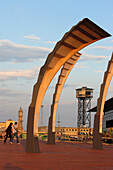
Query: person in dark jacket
9, 133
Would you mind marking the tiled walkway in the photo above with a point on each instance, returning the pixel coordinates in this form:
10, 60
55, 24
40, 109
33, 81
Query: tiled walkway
62, 156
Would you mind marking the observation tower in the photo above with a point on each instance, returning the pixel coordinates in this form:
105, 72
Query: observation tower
84, 96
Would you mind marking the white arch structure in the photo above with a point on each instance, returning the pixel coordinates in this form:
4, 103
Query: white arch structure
66, 69
80, 35
97, 135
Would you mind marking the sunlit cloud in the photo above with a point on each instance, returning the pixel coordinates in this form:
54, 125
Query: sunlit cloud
15, 74
50, 42
11, 52
93, 57
101, 61
32, 37
98, 71
11, 93
102, 47
80, 66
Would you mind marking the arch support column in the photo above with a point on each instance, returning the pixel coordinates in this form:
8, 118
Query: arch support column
97, 137
32, 144
51, 135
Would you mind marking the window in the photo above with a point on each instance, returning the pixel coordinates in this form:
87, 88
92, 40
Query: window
109, 123
72, 129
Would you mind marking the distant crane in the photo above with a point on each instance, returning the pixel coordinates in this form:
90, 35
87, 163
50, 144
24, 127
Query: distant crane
58, 121
41, 122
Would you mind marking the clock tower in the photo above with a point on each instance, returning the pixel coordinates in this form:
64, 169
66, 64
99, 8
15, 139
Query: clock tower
20, 115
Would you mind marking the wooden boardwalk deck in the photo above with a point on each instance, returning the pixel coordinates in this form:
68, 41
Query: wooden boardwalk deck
61, 156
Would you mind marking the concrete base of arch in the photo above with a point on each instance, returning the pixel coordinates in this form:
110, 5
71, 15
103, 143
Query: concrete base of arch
51, 135
32, 144
97, 137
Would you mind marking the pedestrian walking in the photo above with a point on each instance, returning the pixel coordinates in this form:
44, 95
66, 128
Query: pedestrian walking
15, 132
9, 133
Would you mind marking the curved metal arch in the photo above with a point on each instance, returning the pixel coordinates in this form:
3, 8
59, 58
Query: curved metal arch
65, 71
81, 35
97, 139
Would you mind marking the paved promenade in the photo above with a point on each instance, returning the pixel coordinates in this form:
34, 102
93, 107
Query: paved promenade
62, 156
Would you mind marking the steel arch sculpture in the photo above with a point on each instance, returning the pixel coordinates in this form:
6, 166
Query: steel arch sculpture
65, 71
80, 36
97, 135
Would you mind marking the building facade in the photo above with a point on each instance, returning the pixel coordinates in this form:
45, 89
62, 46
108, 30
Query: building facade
107, 115
107, 121
4, 125
68, 131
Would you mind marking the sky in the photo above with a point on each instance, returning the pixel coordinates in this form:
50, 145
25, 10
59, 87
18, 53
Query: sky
29, 31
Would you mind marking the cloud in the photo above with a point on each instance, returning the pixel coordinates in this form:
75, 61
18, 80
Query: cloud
11, 52
15, 74
101, 61
32, 37
93, 57
71, 85
66, 103
50, 42
102, 47
80, 66
4, 92
66, 86
99, 71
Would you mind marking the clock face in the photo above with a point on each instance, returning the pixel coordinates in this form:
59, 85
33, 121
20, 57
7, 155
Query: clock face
20, 114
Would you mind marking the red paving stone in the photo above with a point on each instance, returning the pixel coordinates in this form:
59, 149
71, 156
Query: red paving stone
61, 156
